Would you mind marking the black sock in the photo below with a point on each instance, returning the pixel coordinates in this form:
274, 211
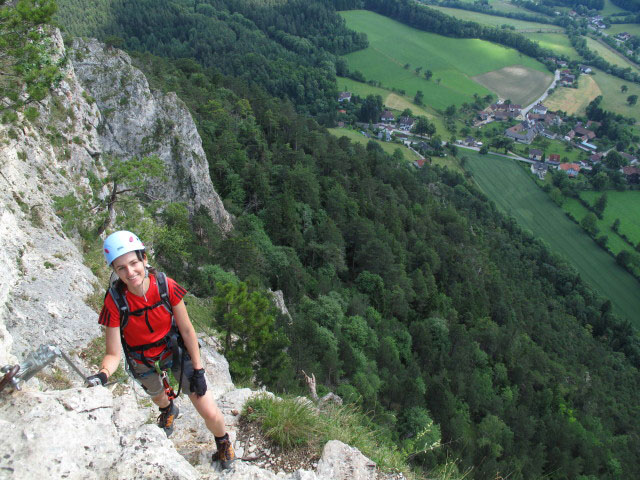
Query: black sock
168, 407
220, 439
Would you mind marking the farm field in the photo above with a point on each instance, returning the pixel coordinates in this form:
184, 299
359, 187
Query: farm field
453, 61
556, 42
515, 193
520, 85
495, 21
632, 28
622, 205
610, 56
613, 99
578, 211
551, 147
388, 147
392, 101
574, 101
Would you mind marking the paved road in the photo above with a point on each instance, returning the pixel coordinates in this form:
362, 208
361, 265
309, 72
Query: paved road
556, 78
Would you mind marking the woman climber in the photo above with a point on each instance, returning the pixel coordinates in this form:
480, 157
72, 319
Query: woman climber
144, 314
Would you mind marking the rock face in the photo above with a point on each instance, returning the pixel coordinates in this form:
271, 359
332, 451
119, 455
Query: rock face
136, 122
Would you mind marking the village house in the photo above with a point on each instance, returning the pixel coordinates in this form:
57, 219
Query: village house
631, 173
596, 157
540, 169
535, 154
344, 97
589, 147
548, 134
580, 132
623, 36
585, 69
384, 134
405, 123
554, 158
571, 169
539, 108
524, 132
419, 163
387, 116
507, 107
632, 159
567, 78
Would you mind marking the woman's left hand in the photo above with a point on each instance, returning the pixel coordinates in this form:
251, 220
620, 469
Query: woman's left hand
198, 382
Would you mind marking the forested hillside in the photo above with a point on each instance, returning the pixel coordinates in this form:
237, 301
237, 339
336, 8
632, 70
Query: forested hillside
289, 49
410, 294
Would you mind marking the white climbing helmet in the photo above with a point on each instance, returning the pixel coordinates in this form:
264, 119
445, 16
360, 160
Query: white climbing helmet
119, 243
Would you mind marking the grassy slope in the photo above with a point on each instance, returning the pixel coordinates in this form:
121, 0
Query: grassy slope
613, 99
506, 6
452, 60
632, 28
610, 56
622, 205
388, 147
514, 192
556, 42
610, 8
495, 21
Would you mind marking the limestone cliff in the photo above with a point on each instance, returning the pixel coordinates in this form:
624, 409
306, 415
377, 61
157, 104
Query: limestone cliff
102, 107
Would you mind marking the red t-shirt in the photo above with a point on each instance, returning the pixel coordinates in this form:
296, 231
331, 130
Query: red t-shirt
153, 324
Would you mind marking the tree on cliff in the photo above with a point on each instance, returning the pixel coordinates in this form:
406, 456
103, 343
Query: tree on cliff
27, 64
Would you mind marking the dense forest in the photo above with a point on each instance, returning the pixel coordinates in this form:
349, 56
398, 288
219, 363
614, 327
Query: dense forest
410, 294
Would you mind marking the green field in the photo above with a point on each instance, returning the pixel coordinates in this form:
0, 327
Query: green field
613, 99
507, 7
453, 61
551, 147
622, 205
514, 192
495, 21
388, 147
610, 56
632, 28
392, 100
556, 42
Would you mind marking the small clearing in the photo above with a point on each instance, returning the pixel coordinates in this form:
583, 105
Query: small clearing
519, 84
574, 100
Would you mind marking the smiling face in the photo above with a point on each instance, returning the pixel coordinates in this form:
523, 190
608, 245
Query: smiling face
130, 269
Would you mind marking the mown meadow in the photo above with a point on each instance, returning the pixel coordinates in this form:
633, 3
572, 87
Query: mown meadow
453, 61
512, 189
614, 58
496, 21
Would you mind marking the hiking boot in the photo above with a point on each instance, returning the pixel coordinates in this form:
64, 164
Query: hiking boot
225, 454
167, 417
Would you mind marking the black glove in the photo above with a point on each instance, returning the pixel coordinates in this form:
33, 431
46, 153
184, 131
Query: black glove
198, 382
99, 378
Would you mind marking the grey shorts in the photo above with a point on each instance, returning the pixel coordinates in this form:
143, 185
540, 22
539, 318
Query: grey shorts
152, 382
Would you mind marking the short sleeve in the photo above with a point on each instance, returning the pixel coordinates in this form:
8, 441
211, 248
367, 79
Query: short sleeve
109, 316
176, 292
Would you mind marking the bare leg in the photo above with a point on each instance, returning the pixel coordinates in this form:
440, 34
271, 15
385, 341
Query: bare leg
209, 411
161, 400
